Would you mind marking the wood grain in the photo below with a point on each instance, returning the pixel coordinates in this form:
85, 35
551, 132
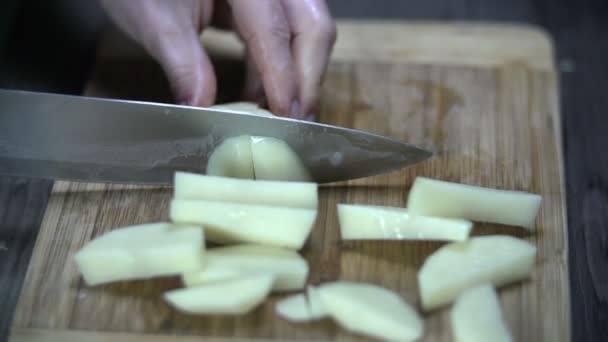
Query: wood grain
495, 125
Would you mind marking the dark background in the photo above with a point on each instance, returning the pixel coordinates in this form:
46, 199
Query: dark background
50, 46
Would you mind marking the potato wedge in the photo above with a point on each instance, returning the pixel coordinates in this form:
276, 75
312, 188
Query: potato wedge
444, 199
317, 309
141, 252
495, 259
366, 222
232, 158
224, 189
477, 317
237, 296
294, 308
288, 267
371, 310
274, 159
235, 223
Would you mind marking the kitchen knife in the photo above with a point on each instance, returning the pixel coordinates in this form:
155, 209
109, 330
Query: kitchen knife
88, 139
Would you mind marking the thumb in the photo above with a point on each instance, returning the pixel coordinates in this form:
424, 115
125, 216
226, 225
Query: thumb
187, 66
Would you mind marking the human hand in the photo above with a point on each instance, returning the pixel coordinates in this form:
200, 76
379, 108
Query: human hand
288, 46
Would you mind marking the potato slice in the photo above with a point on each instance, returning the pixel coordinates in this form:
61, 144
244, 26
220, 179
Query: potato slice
453, 268
294, 308
244, 107
438, 198
366, 222
232, 158
317, 309
223, 189
288, 267
477, 317
237, 296
371, 310
273, 159
140, 252
234, 223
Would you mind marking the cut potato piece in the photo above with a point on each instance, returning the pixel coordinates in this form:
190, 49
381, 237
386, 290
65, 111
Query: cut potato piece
243, 107
140, 252
317, 309
438, 198
273, 159
233, 223
455, 267
477, 317
371, 310
294, 308
288, 267
232, 158
223, 189
375, 222
237, 296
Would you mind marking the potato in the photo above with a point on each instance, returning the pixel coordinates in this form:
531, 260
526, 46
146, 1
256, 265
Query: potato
223, 189
317, 309
273, 159
453, 268
438, 198
371, 310
237, 296
477, 317
288, 267
243, 107
232, 158
234, 223
294, 308
140, 252
366, 222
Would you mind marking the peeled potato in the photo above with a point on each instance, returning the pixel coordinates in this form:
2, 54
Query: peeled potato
477, 317
438, 198
273, 159
244, 107
294, 308
317, 309
288, 267
232, 158
453, 268
371, 310
140, 252
358, 222
234, 223
237, 296
224, 189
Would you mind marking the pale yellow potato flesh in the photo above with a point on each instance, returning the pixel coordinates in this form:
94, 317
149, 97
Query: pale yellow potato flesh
233, 297
240, 223
371, 310
252, 157
259, 192
366, 222
288, 267
452, 200
274, 159
477, 317
495, 259
294, 308
232, 158
141, 252
244, 107
317, 309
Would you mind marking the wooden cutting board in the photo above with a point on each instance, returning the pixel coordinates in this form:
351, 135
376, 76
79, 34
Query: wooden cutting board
484, 96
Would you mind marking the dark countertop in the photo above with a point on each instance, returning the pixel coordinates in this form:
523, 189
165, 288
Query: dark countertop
47, 49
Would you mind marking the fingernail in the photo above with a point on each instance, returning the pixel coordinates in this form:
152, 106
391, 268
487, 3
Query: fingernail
295, 109
311, 117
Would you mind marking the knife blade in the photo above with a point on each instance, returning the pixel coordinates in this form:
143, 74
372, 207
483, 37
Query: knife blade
44, 135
